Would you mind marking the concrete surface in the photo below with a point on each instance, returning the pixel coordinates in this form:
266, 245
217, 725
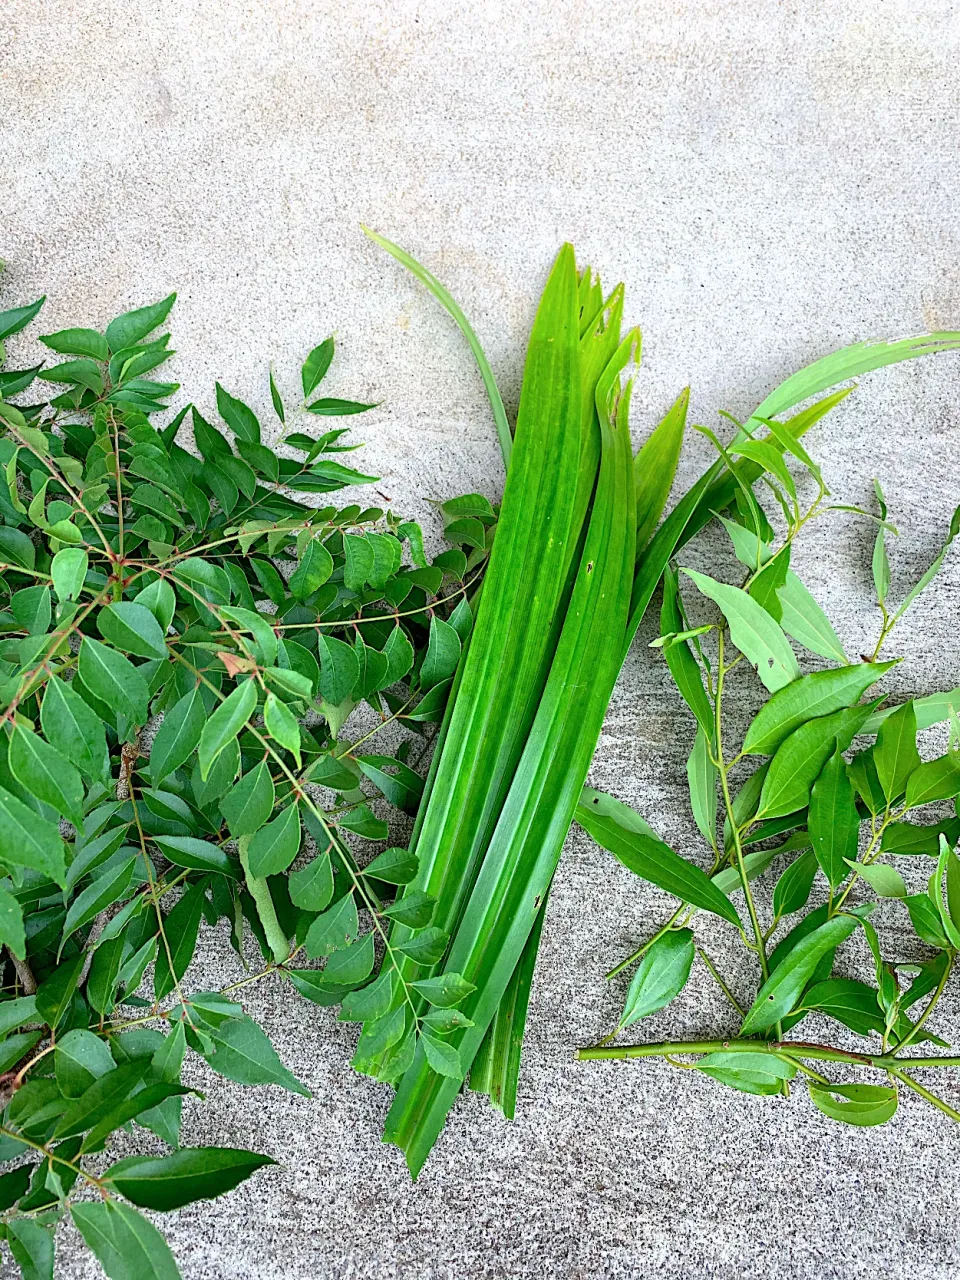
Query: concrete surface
772, 180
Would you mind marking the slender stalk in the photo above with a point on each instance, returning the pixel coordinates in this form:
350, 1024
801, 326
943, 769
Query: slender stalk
728, 804
720, 982
779, 1048
927, 1095
639, 953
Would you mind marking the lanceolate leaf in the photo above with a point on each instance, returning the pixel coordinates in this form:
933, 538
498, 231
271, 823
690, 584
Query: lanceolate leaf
197, 1173
805, 699
655, 861
114, 679
662, 975
896, 755
753, 631
780, 992
177, 738
799, 759
833, 821
127, 1246
226, 722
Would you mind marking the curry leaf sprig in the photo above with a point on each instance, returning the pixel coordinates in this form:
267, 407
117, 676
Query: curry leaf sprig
848, 815
183, 640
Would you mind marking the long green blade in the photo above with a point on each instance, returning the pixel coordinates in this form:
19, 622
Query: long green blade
512, 644
447, 301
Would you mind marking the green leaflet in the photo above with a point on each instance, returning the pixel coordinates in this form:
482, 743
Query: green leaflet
755, 633
856, 1104
811, 696
833, 821
661, 976
226, 722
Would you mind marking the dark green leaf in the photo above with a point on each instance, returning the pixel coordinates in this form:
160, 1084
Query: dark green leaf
443, 654
238, 416
750, 1072
18, 318
809, 698
352, 965
243, 1053
275, 845
132, 628
181, 927
662, 975
11, 925
414, 909
178, 735
833, 820
134, 326
780, 993
315, 367
934, 780
113, 679
197, 1173
445, 990
851, 1002
800, 758
857, 1104
225, 723
394, 866
402, 788
682, 664
336, 928
427, 946
109, 886
655, 861
793, 888
442, 1057
311, 888
315, 567
249, 803
196, 855
895, 754
46, 774
338, 408
81, 1058
77, 342
339, 669
27, 840
32, 1247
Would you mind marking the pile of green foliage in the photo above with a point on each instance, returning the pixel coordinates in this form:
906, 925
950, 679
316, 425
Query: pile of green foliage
185, 635
146, 584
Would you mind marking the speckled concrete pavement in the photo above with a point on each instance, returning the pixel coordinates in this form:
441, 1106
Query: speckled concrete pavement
773, 180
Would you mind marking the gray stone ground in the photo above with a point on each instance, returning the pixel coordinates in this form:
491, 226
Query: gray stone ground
772, 180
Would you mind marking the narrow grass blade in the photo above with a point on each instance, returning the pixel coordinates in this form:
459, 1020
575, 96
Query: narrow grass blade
447, 301
496, 1068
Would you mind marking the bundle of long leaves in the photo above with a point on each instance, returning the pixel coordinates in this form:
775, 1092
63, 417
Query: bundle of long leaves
183, 639
830, 765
